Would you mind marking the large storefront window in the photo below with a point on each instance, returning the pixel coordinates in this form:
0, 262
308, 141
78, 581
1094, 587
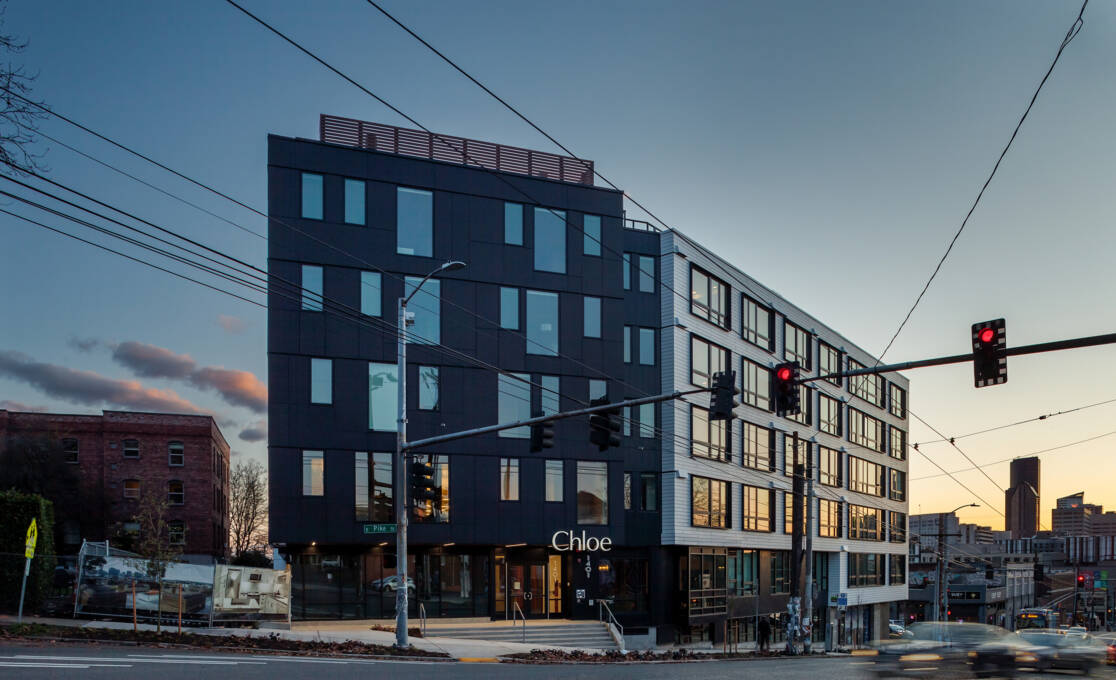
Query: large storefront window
743, 571
624, 582
703, 576
592, 492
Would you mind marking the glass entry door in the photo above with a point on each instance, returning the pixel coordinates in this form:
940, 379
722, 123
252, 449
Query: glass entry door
535, 586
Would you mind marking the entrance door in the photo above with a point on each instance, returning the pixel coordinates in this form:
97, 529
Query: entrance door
535, 586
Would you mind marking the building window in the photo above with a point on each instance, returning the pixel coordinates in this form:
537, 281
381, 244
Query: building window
509, 479
311, 196
756, 506
788, 515
354, 201
426, 329
646, 274
758, 326
131, 448
131, 488
865, 524
897, 569
829, 415
361, 470
756, 385
791, 457
898, 443
742, 571
414, 230
897, 527
626, 422
870, 388
829, 361
897, 400
628, 344
647, 346
321, 381
70, 450
554, 481
897, 485
549, 393
592, 492
542, 323
709, 298
829, 466
626, 263
780, 572
311, 288
509, 308
796, 345
176, 454
647, 421
592, 317
805, 414
709, 438
705, 360
829, 518
428, 388
176, 493
758, 445
436, 509
627, 491
373, 487
709, 503
592, 233
550, 240
513, 403
866, 431
865, 570
371, 294
513, 224
313, 473
598, 389
865, 477
648, 491
383, 397
176, 532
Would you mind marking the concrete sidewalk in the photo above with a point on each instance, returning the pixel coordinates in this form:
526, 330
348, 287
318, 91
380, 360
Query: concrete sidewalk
327, 631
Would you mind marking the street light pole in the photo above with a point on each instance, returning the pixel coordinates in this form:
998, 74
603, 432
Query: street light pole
943, 561
401, 517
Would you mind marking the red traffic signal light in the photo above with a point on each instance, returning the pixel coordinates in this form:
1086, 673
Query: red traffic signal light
1080, 578
784, 373
987, 334
989, 361
787, 396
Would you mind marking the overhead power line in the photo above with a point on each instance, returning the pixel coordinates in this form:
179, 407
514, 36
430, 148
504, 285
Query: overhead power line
1046, 416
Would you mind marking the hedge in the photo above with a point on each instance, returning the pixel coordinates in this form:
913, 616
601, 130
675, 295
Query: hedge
16, 511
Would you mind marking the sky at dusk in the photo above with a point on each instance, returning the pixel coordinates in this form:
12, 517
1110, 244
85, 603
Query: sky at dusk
830, 150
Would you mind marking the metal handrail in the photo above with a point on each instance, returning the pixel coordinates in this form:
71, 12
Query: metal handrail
515, 603
611, 619
422, 618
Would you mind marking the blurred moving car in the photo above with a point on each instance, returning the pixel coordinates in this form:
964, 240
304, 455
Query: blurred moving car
1056, 649
1111, 651
895, 631
934, 649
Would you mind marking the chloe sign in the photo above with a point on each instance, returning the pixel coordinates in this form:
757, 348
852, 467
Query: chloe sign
567, 540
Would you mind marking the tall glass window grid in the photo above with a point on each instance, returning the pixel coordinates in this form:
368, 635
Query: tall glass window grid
758, 446
513, 224
865, 523
829, 518
354, 201
646, 274
709, 503
897, 569
554, 481
312, 290
509, 479
829, 466
647, 346
758, 325
788, 514
513, 402
426, 329
796, 345
709, 298
791, 457
414, 232
897, 527
647, 421
592, 317
896, 485
865, 569
897, 400
311, 196
866, 431
805, 415
592, 235
756, 507
829, 414
428, 388
705, 360
755, 385
709, 438
542, 323
321, 381
371, 294
550, 240
898, 448
592, 492
870, 388
383, 397
313, 473
829, 361
865, 477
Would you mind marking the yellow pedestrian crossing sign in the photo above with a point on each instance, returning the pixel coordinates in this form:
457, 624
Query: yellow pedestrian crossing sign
32, 539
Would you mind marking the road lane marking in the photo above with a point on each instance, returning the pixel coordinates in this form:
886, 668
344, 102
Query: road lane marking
181, 657
264, 658
30, 664
94, 659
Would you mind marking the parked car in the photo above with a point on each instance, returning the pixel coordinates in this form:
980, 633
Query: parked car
1055, 649
390, 584
940, 649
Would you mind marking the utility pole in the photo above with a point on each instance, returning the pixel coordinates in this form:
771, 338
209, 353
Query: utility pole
1076, 580
794, 609
808, 609
940, 613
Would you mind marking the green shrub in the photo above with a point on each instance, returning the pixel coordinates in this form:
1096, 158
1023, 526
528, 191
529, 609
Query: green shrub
16, 511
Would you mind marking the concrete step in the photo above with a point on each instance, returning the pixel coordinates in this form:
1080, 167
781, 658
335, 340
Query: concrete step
591, 635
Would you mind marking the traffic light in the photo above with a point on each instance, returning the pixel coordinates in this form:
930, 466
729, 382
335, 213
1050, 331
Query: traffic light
989, 574
542, 434
787, 401
423, 486
724, 396
989, 362
1080, 579
603, 426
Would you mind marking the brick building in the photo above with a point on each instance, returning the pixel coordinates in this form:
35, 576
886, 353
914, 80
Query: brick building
121, 454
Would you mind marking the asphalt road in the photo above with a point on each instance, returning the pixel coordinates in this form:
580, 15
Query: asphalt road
96, 662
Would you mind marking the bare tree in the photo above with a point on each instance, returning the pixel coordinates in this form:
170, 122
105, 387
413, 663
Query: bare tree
155, 544
19, 113
248, 508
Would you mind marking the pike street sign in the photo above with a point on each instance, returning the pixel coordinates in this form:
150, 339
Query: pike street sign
379, 528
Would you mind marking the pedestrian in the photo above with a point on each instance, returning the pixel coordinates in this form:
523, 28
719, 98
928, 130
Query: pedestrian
764, 634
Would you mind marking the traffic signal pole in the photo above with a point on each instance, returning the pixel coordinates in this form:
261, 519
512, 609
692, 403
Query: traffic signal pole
400, 467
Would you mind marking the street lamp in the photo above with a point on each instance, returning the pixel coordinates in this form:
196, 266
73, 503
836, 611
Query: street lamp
400, 465
943, 549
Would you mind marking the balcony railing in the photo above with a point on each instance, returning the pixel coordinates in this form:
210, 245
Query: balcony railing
451, 149
640, 225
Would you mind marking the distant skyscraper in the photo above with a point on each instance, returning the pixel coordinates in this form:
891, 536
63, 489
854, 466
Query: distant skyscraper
1073, 516
1022, 498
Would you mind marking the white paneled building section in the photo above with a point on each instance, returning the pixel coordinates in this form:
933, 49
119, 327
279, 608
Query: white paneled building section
855, 430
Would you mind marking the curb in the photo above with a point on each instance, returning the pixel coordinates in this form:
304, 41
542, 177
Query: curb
634, 662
